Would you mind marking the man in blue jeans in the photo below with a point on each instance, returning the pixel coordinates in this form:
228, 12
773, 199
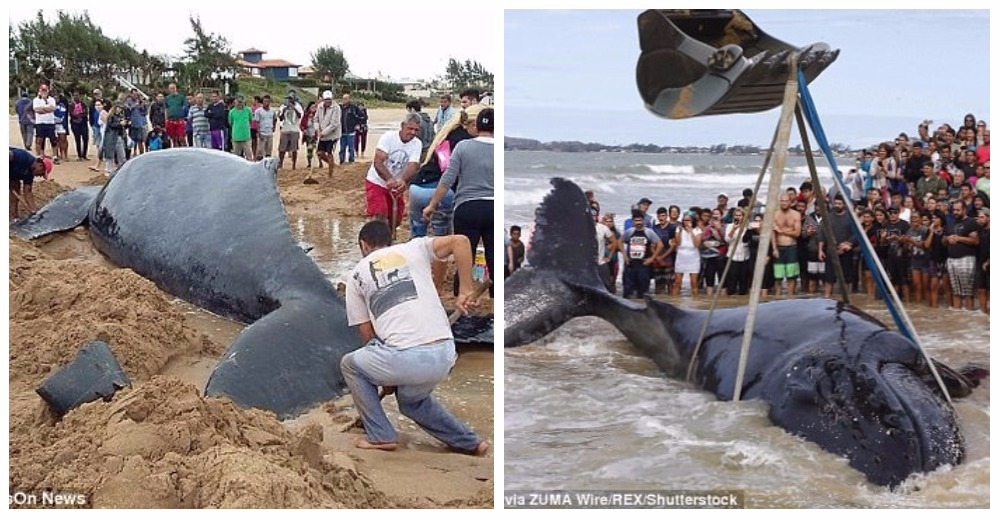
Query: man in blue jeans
348, 127
409, 346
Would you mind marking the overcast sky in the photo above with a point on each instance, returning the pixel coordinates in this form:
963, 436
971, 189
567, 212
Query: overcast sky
400, 44
570, 75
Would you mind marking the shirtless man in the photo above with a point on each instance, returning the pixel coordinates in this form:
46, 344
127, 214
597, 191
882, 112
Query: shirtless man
787, 227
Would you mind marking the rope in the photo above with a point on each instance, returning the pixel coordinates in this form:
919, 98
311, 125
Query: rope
888, 293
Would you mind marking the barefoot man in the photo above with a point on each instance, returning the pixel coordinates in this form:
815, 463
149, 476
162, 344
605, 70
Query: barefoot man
409, 346
787, 226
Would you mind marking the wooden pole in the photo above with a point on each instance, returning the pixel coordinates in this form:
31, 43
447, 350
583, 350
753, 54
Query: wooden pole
725, 272
773, 188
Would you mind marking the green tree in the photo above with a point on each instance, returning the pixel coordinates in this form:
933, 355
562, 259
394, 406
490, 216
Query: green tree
70, 51
468, 74
206, 55
330, 63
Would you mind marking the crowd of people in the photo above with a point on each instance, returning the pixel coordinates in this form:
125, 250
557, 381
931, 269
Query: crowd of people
923, 204
133, 123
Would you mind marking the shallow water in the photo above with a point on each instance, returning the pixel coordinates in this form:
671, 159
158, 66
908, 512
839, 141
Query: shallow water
584, 410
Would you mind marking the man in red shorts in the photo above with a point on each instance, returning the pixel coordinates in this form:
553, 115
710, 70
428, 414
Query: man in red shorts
397, 158
176, 118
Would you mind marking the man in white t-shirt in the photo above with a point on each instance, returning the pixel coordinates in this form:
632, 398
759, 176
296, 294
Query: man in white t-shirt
410, 347
45, 120
605, 246
397, 159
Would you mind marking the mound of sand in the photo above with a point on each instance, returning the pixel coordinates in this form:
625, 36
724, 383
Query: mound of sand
161, 445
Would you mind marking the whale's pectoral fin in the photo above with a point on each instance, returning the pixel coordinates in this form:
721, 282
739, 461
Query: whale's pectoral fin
65, 212
286, 362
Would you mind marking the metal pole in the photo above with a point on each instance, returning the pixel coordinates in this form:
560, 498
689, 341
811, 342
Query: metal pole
831, 247
725, 272
773, 187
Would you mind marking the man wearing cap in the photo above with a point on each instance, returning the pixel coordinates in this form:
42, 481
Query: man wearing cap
896, 232
45, 120
643, 206
24, 167
327, 130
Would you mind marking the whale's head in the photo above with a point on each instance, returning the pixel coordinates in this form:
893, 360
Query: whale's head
871, 403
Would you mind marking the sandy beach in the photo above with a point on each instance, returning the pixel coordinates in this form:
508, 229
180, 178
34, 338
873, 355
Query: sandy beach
160, 443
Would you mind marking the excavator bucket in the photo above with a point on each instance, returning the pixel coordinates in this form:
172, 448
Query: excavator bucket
700, 62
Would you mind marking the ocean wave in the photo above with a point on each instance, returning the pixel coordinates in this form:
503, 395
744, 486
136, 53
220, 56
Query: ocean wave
670, 168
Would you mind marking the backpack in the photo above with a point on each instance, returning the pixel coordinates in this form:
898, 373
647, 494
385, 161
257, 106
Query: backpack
426, 130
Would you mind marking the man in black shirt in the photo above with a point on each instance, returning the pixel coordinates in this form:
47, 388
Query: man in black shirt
845, 241
983, 262
895, 233
961, 236
914, 164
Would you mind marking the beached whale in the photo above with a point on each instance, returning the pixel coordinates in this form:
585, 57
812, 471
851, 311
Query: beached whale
830, 373
210, 228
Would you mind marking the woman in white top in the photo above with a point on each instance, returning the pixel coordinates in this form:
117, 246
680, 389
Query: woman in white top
102, 123
738, 281
687, 240
883, 167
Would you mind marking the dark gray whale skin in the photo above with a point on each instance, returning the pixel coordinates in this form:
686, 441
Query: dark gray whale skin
830, 373
209, 227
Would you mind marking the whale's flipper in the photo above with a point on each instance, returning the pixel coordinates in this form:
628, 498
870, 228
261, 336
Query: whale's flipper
65, 212
287, 361
93, 374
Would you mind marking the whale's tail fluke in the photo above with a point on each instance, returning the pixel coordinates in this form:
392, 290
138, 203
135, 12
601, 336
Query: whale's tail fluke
562, 280
538, 298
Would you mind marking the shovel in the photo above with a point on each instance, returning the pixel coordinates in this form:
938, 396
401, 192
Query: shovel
309, 178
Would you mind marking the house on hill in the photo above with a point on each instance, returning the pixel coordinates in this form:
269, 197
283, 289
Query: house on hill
252, 60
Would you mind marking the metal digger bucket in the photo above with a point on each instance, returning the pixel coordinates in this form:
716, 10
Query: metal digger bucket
715, 61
